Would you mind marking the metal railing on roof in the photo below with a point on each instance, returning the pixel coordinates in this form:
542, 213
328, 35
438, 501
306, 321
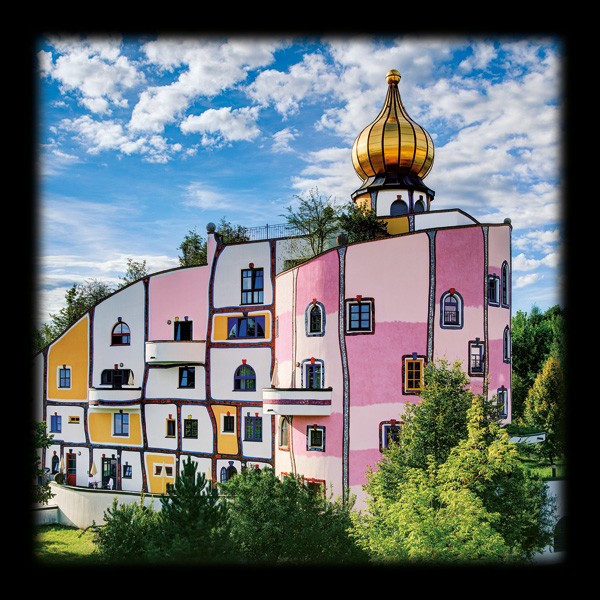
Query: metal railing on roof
269, 232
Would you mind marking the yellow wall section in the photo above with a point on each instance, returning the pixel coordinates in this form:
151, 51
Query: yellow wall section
158, 484
70, 350
396, 225
363, 201
220, 329
100, 425
227, 443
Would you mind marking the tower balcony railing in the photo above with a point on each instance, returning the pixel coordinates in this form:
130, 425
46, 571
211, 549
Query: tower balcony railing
167, 352
297, 401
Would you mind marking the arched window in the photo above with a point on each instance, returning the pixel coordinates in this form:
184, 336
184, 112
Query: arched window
315, 319
121, 335
506, 344
419, 206
244, 378
284, 433
55, 464
505, 283
398, 207
451, 310
223, 476
227, 473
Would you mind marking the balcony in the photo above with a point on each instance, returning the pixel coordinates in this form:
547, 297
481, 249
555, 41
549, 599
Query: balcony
169, 352
98, 395
297, 402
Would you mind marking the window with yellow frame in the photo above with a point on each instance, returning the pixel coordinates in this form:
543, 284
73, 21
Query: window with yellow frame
414, 371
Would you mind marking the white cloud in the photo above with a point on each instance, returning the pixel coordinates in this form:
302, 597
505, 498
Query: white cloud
283, 138
199, 195
540, 240
223, 125
523, 263
482, 54
93, 69
526, 280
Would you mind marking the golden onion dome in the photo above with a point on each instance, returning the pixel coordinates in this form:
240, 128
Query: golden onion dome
393, 144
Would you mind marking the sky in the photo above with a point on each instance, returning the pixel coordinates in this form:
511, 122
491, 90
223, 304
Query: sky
141, 140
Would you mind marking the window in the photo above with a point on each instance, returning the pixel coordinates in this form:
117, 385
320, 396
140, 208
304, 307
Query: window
64, 377
244, 378
190, 428
252, 286
451, 310
314, 375
121, 335
187, 377
121, 423
502, 402
170, 427
506, 344
74, 420
55, 424
359, 316
316, 486
476, 357
315, 438
182, 331
284, 432
398, 207
493, 289
419, 206
390, 433
55, 464
116, 378
246, 327
315, 319
228, 472
127, 471
228, 424
505, 284
253, 428
414, 370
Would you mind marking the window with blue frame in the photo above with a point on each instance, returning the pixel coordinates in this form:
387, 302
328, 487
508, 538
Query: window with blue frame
451, 310
64, 377
502, 395
505, 284
313, 375
315, 319
55, 424
315, 438
187, 377
253, 428
390, 433
359, 316
476, 357
506, 344
244, 379
252, 286
121, 423
127, 471
246, 327
493, 290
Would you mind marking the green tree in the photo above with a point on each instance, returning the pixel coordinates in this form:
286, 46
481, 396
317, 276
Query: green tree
277, 521
360, 223
193, 522
231, 234
193, 250
315, 218
129, 533
135, 270
545, 409
42, 493
480, 504
78, 300
534, 337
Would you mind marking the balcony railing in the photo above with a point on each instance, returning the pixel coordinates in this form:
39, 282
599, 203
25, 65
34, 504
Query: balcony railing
171, 352
297, 401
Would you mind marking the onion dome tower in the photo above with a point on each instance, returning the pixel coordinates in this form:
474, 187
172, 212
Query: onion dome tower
392, 156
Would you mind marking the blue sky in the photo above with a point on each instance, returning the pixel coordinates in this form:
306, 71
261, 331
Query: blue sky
143, 139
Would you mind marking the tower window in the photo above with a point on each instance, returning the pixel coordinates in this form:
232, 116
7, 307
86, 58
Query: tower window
493, 290
284, 432
359, 316
314, 375
476, 358
506, 344
398, 207
451, 310
502, 396
315, 438
414, 370
505, 282
315, 319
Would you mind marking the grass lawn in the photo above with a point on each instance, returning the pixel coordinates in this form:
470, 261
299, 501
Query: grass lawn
62, 544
